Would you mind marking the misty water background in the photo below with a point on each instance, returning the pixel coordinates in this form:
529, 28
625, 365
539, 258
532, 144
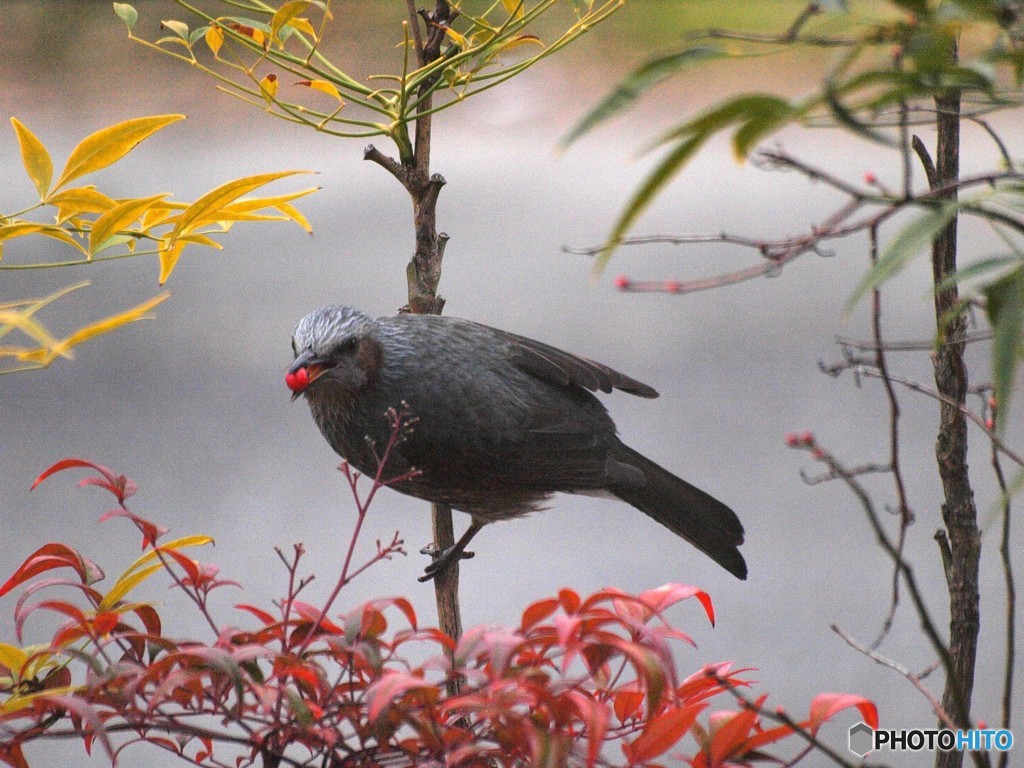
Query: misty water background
192, 405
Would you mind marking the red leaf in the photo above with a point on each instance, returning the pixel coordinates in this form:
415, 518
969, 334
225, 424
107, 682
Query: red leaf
537, 612
48, 557
825, 705
397, 602
390, 687
570, 600
259, 613
10, 753
728, 739
662, 733
119, 485
626, 701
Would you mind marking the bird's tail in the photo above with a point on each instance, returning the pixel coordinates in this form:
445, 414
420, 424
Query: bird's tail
685, 510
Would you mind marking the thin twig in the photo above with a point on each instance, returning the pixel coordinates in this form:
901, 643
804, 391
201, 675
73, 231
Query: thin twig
915, 679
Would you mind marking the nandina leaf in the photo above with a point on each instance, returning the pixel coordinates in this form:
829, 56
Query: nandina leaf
626, 701
537, 612
108, 145
10, 753
662, 597
313, 614
214, 38
569, 600
259, 613
12, 657
594, 715
373, 624
825, 705
396, 602
730, 730
125, 487
127, 14
285, 14
51, 556
324, 86
663, 732
119, 485
117, 219
190, 566
34, 157
704, 683
268, 87
390, 687
206, 208
77, 200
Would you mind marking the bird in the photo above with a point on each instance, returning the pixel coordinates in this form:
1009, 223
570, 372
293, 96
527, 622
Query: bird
501, 422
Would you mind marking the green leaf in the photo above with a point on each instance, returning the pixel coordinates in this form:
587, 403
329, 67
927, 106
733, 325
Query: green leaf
1006, 313
34, 157
978, 268
910, 241
108, 145
179, 28
636, 84
127, 14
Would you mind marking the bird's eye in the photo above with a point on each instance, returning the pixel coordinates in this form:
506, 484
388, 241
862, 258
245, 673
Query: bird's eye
350, 345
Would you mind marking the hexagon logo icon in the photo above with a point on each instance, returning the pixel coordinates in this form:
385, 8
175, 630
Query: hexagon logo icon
861, 739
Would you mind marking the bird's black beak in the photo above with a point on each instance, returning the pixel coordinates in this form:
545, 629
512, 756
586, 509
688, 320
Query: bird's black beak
306, 369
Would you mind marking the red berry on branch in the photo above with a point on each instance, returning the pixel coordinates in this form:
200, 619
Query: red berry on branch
622, 282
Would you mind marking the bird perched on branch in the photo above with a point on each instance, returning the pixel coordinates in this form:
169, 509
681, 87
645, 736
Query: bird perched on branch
502, 422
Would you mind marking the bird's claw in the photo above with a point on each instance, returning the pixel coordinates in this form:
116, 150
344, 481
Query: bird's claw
442, 559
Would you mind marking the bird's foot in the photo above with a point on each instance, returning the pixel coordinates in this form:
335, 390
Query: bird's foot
442, 559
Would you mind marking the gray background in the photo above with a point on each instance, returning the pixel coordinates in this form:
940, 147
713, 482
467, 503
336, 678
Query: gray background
194, 408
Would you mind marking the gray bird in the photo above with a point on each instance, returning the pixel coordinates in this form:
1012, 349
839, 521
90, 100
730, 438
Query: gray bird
502, 422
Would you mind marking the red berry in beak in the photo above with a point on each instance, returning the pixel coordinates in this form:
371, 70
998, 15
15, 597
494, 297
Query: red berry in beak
297, 380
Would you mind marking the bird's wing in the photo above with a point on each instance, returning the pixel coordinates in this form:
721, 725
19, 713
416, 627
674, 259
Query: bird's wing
562, 368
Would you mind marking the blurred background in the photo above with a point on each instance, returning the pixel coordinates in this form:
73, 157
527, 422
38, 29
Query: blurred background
192, 405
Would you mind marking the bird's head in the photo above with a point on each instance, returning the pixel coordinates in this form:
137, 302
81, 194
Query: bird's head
335, 348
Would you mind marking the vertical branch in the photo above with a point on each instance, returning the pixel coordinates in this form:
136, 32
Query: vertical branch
423, 276
962, 549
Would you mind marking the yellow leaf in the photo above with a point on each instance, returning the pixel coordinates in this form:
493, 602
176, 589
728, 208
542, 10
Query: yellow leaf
206, 207
18, 229
16, 703
117, 219
515, 8
202, 240
13, 658
126, 584
76, 200
23, 322
303, 26
65, 237
255, 203
324, 86
169, 258
285, 14
108, 145
292, 213
106, 325
141, 569
34, 157
214, 38
458, 39
268, 87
